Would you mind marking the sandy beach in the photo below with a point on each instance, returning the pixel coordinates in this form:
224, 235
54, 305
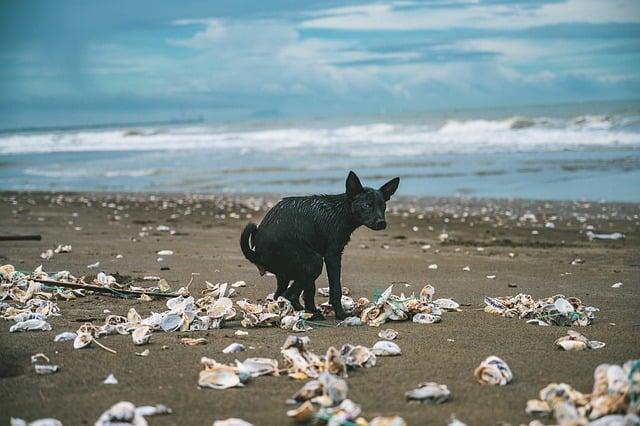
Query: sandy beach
512, 240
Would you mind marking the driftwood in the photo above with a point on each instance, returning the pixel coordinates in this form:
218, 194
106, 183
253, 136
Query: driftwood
101, 289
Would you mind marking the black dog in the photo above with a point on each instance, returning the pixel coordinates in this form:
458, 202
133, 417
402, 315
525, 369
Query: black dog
299, 233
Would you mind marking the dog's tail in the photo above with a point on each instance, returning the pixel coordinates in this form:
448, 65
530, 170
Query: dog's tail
249, 236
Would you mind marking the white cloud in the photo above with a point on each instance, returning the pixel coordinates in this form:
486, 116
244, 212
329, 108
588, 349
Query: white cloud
490, 16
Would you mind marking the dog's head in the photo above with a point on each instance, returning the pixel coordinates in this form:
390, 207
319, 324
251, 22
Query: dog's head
368, 205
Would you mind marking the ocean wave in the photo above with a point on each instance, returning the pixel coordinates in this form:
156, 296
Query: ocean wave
512, 134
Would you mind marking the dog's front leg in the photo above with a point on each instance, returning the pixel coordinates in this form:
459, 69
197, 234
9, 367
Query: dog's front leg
334, 264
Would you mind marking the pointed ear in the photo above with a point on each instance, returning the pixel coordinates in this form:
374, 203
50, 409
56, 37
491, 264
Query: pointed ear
354, 187
389, 188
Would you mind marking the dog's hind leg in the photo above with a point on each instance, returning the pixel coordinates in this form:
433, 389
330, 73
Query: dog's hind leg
309, 302
293, 295
283, 283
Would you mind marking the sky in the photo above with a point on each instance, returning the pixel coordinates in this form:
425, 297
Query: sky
86, 62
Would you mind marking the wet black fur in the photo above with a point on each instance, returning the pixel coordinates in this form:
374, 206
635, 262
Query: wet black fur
300, 233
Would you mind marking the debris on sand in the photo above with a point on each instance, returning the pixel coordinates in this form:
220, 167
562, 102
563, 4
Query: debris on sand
493, 371
40, 422
386, 348
233, 348
613, 236
429, 393
615, 393
232, 421
556, 310
65, 336
223, 376
125, 413
110, 380
388, 334
188, 341
575, 341
46, 368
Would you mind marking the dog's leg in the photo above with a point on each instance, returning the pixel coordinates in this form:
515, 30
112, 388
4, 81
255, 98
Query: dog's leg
283, 283
293, 295
309, 302
334, 263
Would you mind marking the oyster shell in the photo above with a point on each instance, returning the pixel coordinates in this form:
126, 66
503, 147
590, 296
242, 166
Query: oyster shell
260, 366
82, 340
426, 318
219, 379
233, 348
386, 348
388, 334
493, 371
141, 335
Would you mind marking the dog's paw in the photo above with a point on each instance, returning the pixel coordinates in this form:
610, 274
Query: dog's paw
340, 315
317, 316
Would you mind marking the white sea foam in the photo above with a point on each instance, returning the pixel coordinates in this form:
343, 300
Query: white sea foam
514, 134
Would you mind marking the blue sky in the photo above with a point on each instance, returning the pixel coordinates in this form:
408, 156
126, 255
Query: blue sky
80, 62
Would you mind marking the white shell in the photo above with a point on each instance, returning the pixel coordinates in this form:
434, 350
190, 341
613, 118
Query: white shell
30, 324
232, 421
63, 337
386, 348
493, 371
219, 379
388, 334
110, 380
141, 335
233, 348
171, 322
429, 393
426, 318
571, 345
82, 340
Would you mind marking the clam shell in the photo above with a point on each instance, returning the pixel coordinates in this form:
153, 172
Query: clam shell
261, 366
133, 316
536, 407
232, 421
386, 348
426, 318
571, 345
141, 335
594, 344
302, 414
219, 379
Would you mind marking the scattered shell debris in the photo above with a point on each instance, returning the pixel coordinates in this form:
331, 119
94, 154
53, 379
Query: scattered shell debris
15, 421
188, 341
125, 413
614, 394
556, 310
575, 341
388, 334
231, 421
110, 380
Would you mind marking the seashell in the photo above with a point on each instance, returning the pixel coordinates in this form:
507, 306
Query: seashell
594, 344
334, 363
233, 348
200, 323
387, 421
333, 387
82, 340
29, 325
219, 379
351, 322
123, 412
232, 421
46, 368
302, 414
308, 391
536, 407
386, 348
427, 293
63, 337
165, 253
239, 284
261, 366
426, 318
388, 334
133, 316
171, 322
429, 393
188, 341
153, 320
493, 371
359, 356
563, 306
571, 345
141, 335
143, 353
447, 304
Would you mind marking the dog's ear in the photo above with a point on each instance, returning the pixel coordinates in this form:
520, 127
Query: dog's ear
389, 188
354, 187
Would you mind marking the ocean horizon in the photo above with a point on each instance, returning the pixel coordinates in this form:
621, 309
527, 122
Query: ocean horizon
585, 151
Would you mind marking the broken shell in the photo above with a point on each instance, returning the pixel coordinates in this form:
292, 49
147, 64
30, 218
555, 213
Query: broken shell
387, 421
219, 379
82, 340
133, 316
171, 322
358, 356
46, 368
110, 380
141, 335
188, 341
30, 324
232, 421
388, 334
426, 318
302, 414
493, 371
143, 353
571, 345
594, 344
386, 348
261, 366
429, 393
123, 412
63, 337
536, 407
233, 348
447, 304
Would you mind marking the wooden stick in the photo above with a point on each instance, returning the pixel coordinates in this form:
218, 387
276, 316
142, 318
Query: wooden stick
20, 237
101, 289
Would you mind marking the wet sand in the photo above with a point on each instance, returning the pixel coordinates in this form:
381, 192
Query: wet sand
482, 233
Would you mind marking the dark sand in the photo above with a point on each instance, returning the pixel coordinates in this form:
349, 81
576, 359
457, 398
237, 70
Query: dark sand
209, 245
